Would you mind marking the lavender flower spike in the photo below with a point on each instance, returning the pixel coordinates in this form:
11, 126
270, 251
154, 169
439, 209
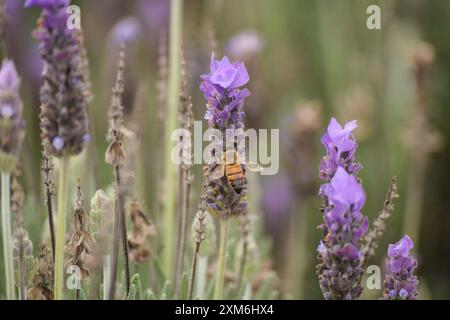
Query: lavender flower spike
224, 102
224, 95
340, 146
340, 253
63, 95
400, 283
11, 121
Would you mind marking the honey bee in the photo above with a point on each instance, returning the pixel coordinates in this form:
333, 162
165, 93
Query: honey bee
234, 172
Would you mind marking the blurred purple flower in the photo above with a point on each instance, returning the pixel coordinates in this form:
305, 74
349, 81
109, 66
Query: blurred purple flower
11, 121
155, 14
245, 45
225, 99
340, 146
276, 201
127, 30
9, 79
400, 283
63, 95
45, 3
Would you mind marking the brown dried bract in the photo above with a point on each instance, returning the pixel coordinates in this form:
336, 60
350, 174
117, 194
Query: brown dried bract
138, 239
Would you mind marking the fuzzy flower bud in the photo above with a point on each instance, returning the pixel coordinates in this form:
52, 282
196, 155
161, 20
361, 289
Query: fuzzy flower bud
11, 121
400, 283
64, 120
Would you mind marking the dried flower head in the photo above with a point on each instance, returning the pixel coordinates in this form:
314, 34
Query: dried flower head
42, 288
379, 225
142, 230
400, 282
11, 121
17, 195
64, 120
115, 154
302, 128
81, 244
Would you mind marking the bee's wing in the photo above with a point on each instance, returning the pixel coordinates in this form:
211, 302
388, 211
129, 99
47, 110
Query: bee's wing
253, 167
217, 172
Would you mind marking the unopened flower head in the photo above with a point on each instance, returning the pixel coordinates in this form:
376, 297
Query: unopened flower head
340, 146
224, 95
63, 95
11, 121
400, 282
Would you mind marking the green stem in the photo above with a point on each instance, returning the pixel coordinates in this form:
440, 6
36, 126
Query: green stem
218, 290
414, 201
106, 275
6, 229
61, 227
176, 20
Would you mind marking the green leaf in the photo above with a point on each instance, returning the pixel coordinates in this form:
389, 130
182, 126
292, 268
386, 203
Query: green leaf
160, 275
132, 292
166, 290
150, 295
82, 294
184, 286
266, 289
136, 281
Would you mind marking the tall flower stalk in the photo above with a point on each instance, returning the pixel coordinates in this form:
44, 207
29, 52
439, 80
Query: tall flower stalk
225, 198
64, 120
379, 225
187, 121
199, 235
11, 124
116, 156
47, 173
340, 253
400, 282
173, 91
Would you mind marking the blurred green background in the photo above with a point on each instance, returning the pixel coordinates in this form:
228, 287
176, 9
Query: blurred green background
308, 61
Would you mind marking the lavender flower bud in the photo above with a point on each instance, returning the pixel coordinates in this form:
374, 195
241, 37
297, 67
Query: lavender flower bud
11, 121
64, 120
400, 283
223, 94
341, 147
